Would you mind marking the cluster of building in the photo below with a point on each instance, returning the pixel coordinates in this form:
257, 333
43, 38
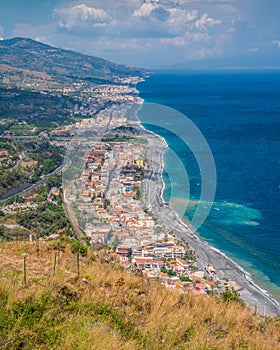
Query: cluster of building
108, 192
113, 93
168, 262
53, 195
15, 207
103, 105
108, 196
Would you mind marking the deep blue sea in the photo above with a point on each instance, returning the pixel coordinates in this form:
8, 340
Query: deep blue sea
239, 115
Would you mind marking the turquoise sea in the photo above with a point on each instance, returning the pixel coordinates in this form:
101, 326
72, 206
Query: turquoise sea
239, 115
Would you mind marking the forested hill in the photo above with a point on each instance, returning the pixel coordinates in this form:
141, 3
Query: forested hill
22, 58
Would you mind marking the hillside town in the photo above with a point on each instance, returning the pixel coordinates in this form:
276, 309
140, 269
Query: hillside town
107, 201
92, 104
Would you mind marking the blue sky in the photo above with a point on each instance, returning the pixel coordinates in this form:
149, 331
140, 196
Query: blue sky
154, 33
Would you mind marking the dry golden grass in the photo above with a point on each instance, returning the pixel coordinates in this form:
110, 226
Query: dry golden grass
109, 308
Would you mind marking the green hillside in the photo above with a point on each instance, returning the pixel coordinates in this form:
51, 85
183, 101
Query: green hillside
25, 57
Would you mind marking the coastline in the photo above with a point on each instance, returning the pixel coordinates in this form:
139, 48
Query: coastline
226, 268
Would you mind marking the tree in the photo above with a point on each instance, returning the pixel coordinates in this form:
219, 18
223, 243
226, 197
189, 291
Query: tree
54, 181
190, 255
232, 295
78, 247
2, 230
138, 194
185, 279
106, 203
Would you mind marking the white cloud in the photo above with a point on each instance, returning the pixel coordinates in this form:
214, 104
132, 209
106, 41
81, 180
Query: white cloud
253, 49
172, 31
81, 16
177, 41
181, 15
145, 10
146, 29
207, 53
152, 19
206, 21
180, 19
276, 43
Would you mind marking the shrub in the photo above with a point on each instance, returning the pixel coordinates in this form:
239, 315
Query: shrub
78, 247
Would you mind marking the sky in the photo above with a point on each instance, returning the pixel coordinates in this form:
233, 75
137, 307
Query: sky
154, 33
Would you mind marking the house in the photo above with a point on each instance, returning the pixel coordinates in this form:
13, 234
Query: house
173, 282
97, 236
182, 263
148, 263
142, 252
123, 251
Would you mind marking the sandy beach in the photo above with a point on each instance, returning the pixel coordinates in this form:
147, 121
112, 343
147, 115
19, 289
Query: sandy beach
239, 279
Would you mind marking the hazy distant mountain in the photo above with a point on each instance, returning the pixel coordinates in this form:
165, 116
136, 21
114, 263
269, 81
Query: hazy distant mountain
22, 58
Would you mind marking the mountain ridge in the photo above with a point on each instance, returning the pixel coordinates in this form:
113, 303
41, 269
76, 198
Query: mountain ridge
62, 66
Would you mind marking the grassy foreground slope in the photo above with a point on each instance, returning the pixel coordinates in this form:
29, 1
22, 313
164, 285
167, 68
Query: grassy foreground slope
109, 308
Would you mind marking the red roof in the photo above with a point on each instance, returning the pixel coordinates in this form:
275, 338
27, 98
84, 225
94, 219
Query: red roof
128, 194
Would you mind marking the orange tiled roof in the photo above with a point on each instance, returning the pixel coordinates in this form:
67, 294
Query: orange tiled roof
128, 194
181, 261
